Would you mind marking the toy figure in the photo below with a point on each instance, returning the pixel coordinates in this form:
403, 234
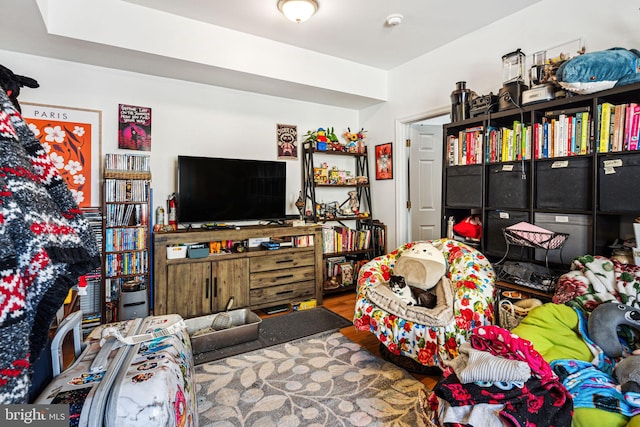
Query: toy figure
354, 203
321, 135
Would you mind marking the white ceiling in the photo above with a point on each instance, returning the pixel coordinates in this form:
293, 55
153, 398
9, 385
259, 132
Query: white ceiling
352, 29
346, 37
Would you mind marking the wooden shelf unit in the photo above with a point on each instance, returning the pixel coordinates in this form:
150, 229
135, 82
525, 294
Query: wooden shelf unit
256, 278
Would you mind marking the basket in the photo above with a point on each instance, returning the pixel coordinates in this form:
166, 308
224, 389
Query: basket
511, 314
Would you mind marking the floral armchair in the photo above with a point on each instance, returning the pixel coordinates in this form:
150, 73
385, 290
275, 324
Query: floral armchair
472, 281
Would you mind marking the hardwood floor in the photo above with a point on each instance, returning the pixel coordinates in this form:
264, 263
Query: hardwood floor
343, 304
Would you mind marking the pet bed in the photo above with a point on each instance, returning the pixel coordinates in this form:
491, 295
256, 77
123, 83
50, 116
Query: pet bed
472, 281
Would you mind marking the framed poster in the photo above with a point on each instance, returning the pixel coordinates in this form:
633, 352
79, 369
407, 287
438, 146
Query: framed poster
287, 140
134, 127
72, 137
384, 161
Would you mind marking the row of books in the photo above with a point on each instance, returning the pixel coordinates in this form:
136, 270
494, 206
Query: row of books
619, 127
557, 134
466, 147
125, 215
344, 239
126, 263
125, 190
302, 241
127, 162
125, 239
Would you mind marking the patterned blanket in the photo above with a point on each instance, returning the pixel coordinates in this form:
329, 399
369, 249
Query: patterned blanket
597, 279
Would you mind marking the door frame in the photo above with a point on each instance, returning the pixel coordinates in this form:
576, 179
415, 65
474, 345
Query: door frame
402, 131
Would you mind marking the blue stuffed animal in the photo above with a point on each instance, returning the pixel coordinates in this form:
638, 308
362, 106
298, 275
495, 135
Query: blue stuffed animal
596, 71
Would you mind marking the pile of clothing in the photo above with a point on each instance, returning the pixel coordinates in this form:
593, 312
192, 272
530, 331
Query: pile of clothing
498, 379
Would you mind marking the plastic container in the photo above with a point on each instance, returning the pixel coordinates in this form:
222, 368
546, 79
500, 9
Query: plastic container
245, 326
198, 251
175, 252
580, 230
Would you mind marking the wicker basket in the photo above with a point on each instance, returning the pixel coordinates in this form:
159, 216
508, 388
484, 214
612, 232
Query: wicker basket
510, 314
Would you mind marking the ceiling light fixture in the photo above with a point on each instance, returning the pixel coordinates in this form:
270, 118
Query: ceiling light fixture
298, 10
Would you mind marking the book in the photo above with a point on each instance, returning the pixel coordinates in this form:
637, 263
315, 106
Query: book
605, 124
635, 128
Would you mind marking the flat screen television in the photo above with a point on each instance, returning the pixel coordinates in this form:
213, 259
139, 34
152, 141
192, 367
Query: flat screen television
212, 189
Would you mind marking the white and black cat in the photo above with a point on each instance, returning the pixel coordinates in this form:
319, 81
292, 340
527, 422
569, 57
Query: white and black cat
411, 295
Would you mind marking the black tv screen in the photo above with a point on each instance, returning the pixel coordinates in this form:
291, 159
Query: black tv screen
214, 189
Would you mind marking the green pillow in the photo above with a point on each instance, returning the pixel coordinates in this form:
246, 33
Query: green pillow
553, 331
590, 417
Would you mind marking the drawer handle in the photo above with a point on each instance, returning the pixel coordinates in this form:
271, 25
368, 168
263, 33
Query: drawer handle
280, 261
287, 276
284, 292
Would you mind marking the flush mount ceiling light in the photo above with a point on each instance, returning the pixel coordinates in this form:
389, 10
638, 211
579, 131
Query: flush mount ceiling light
298, 10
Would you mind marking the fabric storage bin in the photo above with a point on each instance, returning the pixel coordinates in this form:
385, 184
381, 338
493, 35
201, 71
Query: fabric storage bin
494, 243
618, 178
464, 186
564, 184
505, 186
580, 230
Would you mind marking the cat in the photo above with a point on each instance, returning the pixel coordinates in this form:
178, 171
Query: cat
411, 295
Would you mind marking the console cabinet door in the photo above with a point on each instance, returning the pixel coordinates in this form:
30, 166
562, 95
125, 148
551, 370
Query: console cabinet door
230, 279
190, 289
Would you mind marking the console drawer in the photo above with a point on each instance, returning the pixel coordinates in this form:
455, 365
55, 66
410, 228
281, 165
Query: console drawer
283, 276
282, 293
281, 261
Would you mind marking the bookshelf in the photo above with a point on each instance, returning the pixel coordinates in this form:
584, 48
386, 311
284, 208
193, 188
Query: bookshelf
126, 237
567, 165
350, 238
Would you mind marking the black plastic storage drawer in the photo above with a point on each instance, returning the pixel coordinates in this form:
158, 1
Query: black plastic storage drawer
564, 184
464, 186
494, 243
618, 178
506, 187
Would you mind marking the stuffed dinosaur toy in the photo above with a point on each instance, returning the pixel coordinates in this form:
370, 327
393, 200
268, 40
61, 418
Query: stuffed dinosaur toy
11, 83
603, 325
596, 71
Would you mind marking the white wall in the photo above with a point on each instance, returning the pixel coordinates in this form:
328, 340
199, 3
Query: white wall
187, 118
425, 84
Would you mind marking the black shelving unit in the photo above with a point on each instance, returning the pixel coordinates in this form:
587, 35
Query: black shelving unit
588, 194
364, 222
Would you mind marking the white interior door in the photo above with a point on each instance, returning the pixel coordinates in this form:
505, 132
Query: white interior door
425, 181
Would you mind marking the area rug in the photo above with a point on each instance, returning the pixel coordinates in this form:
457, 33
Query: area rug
322, 380
280, 329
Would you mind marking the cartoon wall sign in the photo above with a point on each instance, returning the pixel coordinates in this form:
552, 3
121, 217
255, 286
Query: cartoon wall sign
287, 140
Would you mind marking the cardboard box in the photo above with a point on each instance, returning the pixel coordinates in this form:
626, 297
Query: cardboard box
303, 305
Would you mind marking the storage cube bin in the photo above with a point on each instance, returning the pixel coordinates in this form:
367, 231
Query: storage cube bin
198, 251
618, 178
505, 186
464, 186
494, 243
174, 252
564, 184
580, 230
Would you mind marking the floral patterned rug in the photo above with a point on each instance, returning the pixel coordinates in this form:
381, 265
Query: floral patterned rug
322, 380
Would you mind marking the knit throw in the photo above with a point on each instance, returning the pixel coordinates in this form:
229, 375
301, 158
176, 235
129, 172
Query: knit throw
45, 245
